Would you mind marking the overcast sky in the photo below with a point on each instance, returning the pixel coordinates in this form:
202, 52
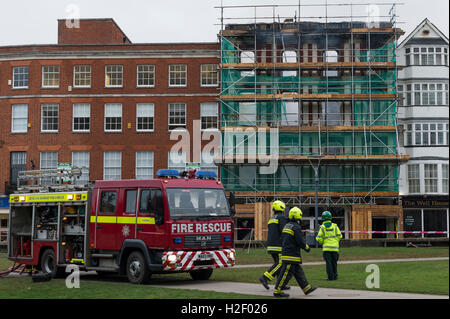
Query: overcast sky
151, 21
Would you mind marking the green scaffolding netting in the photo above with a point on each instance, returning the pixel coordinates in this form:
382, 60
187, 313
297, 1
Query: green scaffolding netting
301, 178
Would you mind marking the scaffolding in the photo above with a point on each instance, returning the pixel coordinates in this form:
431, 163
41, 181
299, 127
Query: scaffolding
327, 85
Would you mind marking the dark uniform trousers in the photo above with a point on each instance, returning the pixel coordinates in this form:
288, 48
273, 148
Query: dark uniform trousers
331, 259
287, 271
275, 269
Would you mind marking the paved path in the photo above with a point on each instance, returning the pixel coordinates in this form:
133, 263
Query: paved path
365, 261
294, 292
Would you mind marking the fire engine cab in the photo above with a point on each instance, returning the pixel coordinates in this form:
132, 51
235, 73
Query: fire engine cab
174, 223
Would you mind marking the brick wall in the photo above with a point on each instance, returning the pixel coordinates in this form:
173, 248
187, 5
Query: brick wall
97, 141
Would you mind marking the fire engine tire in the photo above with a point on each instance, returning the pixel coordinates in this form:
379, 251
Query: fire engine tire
48, 262
202, 274
137, 268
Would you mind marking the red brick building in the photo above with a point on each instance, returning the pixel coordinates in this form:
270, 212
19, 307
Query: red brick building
95, 99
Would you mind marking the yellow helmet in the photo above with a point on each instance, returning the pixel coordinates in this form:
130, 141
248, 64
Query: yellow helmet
278, 206
295, 213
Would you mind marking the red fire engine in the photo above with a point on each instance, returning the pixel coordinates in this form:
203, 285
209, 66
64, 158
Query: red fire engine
135, 227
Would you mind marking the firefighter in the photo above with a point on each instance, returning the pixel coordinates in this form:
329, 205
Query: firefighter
293, 241
329, 236
275, 226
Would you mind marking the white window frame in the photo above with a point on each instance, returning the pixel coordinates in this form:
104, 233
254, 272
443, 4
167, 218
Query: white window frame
116, 164
88, 112
444, 177
50, 73
86, 72
19, 112
113, 107
208, 77
113, 69
174, 160
45, 105
144, 162
150, 72
178, 126
205, 113
44, 158
20, 68
84, 158
415, 169
141, 111
431, 183
183, 80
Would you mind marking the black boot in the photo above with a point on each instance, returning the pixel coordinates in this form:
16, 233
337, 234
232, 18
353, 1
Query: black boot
263, 280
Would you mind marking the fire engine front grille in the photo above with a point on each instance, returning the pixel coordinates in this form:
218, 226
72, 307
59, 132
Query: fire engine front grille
202, 241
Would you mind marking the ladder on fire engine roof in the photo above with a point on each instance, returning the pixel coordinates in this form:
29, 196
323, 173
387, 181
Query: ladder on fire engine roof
52, 180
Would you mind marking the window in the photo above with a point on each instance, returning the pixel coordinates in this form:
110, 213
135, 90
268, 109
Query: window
431, 178
81, 159
81, 117
49, 118
177, 160
20, 77
18, 162
426, 94
144, 165
112, 163
145, 117
177, 115
247, 113
50, 76
146, 75
426, 134
208, 115
19, 118
113, 117
49, 160
108, 200
130, 201
113, 76
209, 75
82, 76
445, 178
177, 75
414, 178
247, 57
147, 201
330, 57
426, 56
400, 95
207, 161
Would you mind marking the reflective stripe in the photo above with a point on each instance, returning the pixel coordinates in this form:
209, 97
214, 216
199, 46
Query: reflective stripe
273, 221
290, 258
104, 219
273, 248
278, 290
305, 290
123, 220
331, 247
288, 231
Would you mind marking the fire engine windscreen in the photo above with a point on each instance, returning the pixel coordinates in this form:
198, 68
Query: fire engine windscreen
197, 202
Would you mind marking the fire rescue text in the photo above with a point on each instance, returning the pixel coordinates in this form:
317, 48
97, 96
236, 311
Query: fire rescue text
201, 228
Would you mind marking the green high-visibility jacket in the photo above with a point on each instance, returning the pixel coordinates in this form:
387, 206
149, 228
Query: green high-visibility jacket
329, 237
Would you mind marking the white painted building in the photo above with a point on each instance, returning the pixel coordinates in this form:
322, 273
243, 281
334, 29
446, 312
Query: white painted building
423, 119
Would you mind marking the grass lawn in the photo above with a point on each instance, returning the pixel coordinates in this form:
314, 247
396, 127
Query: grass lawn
260, 255
430, 277
426, 277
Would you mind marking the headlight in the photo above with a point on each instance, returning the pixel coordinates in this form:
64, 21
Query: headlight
231, 255
172, 258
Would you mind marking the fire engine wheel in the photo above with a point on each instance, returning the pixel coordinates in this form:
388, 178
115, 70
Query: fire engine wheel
202, 274
137, 270
48, 262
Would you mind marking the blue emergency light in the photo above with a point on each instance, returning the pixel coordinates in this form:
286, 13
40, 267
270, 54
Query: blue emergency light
206, 175
167, 173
